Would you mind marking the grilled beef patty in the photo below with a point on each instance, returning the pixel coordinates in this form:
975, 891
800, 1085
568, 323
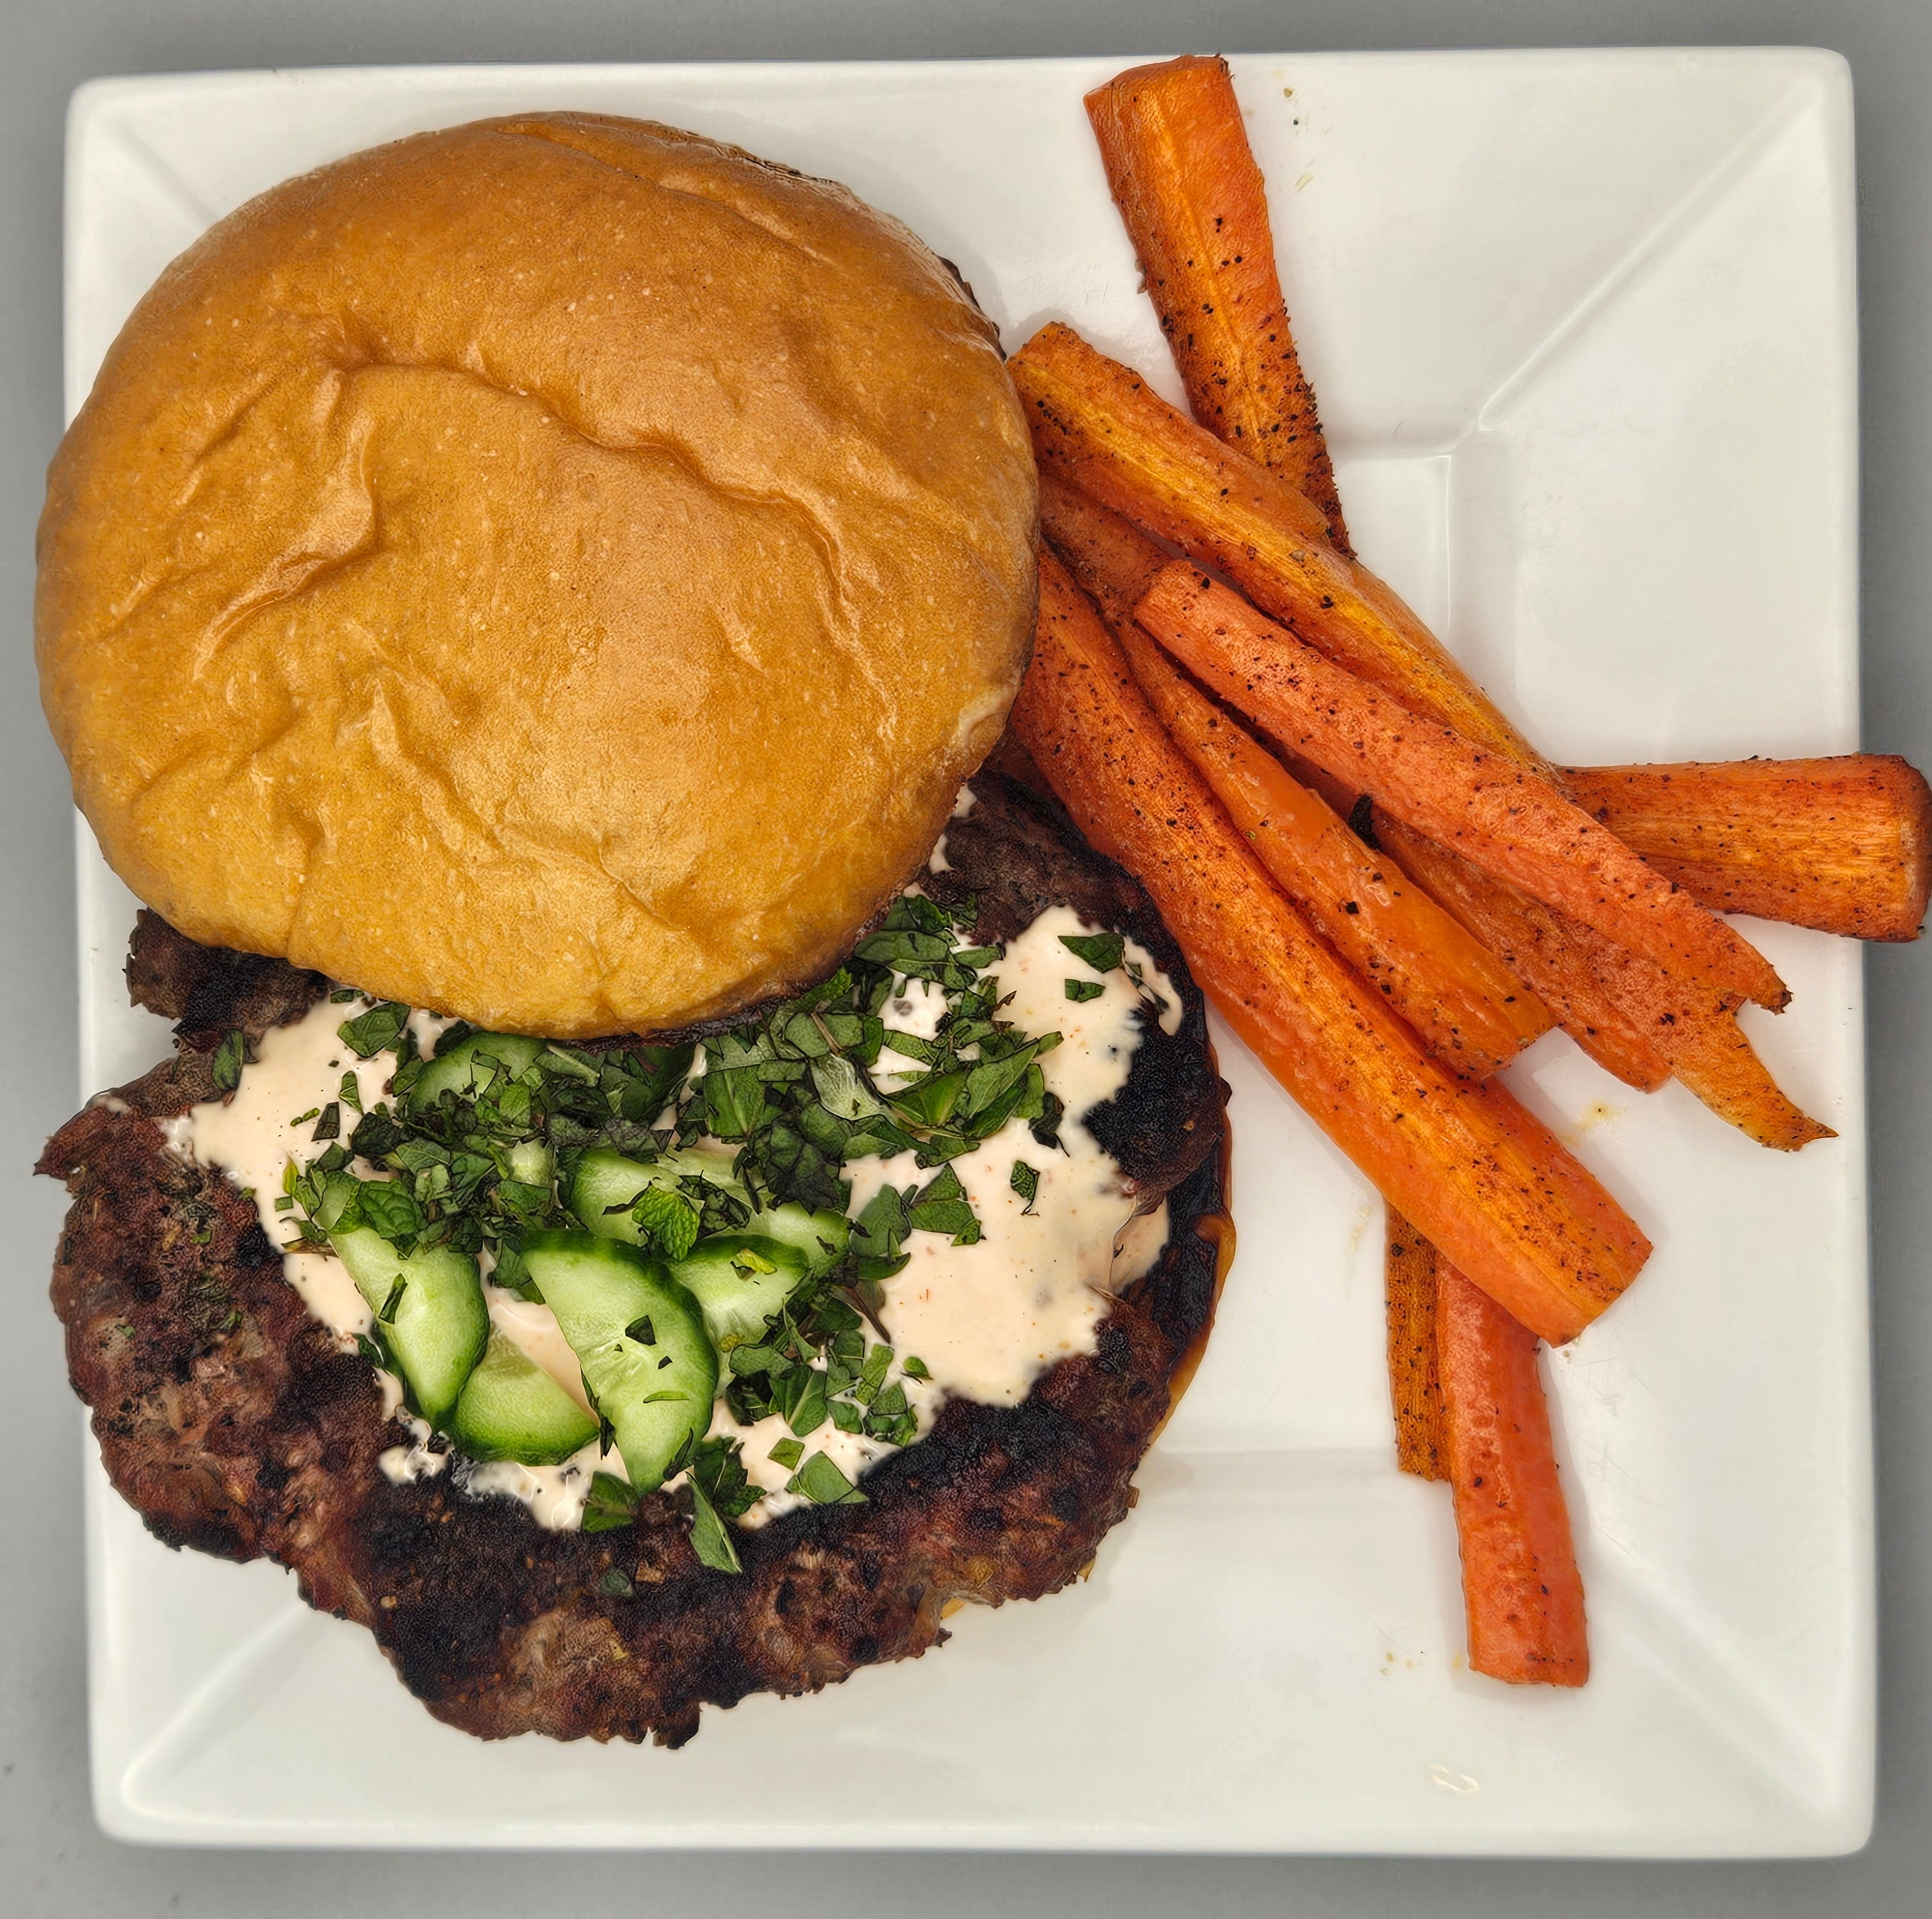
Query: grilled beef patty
235, 1423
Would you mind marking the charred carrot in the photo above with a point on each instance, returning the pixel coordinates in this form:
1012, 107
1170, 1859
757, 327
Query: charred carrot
1629, 1015
1487, 1182
1097, 426
1842, 844
1095, 422
1114, 561
1713, 1057
1547, 950
1499, 814
1415, 1380
1521, 1590
1467, 1007
1184, 178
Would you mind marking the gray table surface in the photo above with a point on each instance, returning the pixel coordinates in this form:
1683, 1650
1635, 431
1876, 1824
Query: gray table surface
52, 1860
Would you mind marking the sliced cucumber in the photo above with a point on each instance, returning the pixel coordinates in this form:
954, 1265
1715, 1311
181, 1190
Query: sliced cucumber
640, 1336
512, 1409
740, 1279
471, 1064
608, 1183
821, 1236
429, 1310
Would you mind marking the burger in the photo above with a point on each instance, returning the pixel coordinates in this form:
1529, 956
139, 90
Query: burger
673, 1172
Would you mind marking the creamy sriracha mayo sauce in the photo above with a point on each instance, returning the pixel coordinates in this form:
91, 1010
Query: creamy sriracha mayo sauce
986, 1320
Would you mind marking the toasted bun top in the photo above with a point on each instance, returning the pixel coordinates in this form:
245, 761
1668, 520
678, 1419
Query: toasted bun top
557, 571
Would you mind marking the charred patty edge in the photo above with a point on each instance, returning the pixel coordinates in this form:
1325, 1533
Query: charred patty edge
236, 1425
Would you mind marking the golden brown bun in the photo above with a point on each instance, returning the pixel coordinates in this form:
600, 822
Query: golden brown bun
557, 571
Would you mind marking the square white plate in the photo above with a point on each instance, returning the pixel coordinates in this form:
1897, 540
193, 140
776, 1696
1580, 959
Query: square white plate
1583, 328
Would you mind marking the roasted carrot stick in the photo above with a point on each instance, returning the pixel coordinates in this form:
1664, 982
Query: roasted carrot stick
1546, 949
1629, 1015
1415, 1381
1467, 1007
1183, 175
1632, 1018
1520, 1586
1096, 424
1499, 814
1715, 1060
1842, 844
1487, 1182
1114, 561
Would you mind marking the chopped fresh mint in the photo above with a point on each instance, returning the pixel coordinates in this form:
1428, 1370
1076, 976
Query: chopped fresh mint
230, 1056
609, 1503
942, 1206
667, 1220
1102, 951
798, 1097
710, 1537
376, 1031
1024, 1180
823, 1484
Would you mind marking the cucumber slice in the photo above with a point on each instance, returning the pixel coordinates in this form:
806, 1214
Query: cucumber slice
740, 1279
640, 1336
512, 1409
606, 1183
821, 1237
429, 1310
471, 1063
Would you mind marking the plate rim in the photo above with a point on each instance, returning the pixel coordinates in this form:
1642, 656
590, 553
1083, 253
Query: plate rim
1830, 71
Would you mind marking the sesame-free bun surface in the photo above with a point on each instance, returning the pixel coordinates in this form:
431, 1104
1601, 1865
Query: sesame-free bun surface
556, 571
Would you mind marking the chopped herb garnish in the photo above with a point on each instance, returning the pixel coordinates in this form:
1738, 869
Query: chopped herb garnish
616, 1584
914, 1367
796, 1096
667, 1220
230, 1058
609, 1503
717, 1471
1102, 951
390, 1208
710, 1537
942, 1206
821, 1481
1025, 1180
376, 1031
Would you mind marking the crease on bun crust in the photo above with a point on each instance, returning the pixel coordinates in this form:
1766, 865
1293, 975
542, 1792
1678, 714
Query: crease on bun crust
556, 571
